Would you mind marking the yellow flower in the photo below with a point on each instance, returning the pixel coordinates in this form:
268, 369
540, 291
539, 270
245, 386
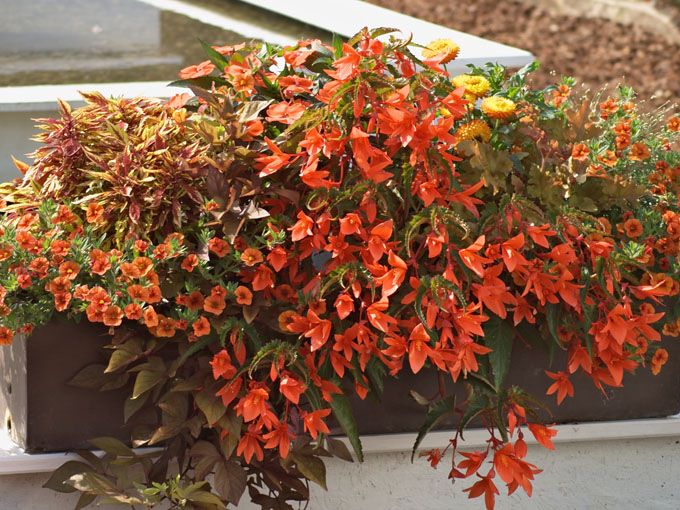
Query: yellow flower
474, 130
476, 85
498, 107
445, 46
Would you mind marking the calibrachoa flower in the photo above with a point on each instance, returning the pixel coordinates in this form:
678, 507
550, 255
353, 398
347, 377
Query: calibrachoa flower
319, 225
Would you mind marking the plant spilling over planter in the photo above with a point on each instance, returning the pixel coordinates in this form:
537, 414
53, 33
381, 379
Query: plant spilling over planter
317, 219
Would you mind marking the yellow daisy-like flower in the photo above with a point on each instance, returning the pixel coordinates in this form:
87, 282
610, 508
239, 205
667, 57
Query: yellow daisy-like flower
474, 130
445, 46
498, 107
476, 85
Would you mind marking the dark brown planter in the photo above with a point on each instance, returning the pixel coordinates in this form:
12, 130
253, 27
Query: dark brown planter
40, 410
643, 394
43, 413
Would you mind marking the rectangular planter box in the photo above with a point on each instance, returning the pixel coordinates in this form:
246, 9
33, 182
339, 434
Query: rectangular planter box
41, 412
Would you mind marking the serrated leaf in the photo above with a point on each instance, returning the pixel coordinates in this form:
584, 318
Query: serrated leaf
57, 481
343, 413
230, 481
498, 336
214, 56
440, 409
311, 467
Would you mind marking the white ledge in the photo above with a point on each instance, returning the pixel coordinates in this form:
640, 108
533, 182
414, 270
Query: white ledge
13, 460
347, 17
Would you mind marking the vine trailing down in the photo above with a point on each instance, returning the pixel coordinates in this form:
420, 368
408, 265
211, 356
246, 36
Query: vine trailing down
318, 218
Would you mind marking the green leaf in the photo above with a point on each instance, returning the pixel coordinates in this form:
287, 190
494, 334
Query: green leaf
230, 481
146, 379
57, 481
124, 353
338, 448
498, 335
440, 409
475, 407
337, 45
92, 377
212, 406
214, 56
131, 406
311, 467
84, 500
113, 446
343, 413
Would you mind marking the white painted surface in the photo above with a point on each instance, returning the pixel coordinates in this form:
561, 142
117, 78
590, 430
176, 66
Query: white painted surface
635, 474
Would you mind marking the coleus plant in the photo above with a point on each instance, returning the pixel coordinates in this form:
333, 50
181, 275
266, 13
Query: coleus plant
321, 219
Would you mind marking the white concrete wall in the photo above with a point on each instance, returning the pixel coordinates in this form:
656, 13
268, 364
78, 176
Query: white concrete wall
639, 474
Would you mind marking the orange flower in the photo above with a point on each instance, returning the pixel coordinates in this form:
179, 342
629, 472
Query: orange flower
633, 228
218, 246
286, 318
190, 262
94, 212
251, 256
562, 385
543, 435
214, 305
313, 422
138, 292
154, 294
61, 301
166, 326
445, 48
243, 295
203, 69
6, 335
194, 301
302, 228
143, 264
673, 124
639, 152
580, 152
94, 313
59, 285
221, 364
201, 327
130, 270
133, 312
660, 358
150, 317
69, 269
113, 316
608, 158
263, 278
59, 247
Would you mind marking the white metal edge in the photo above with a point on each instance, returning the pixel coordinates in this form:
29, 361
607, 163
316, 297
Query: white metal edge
14, 461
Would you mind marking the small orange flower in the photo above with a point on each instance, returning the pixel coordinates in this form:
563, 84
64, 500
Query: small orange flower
580, 152
150, 317
214, 305
166, 326
608, 158
59, 284
201, 327
133, 312
658, 360
219, 246
286, 319
194, 301
243, 295
130, 270
639, 152
94, 212
203, 69
143, 264
154, 294
445, 47
633, 228
6, 335
251, 256
69, 269
673, 124
61, 301
113, 316
190, 262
